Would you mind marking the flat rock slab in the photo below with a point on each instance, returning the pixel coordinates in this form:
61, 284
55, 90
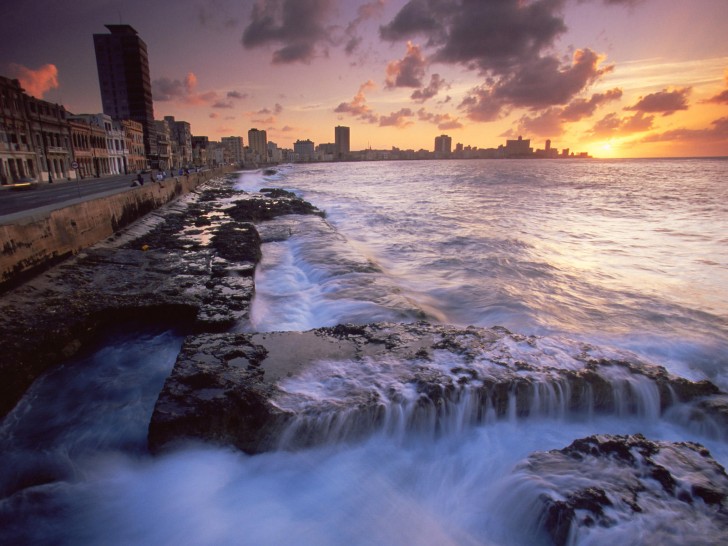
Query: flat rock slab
265, 391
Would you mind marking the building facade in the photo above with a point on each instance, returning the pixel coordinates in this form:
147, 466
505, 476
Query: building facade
51, 137
100, 143
126, 87
304, 150
18, 159
35, 137
118, 153
234, 149
199, 150
134, 137
181, 141
275, 154
81, 143
163, 160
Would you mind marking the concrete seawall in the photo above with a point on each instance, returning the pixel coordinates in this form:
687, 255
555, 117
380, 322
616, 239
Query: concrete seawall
42, 239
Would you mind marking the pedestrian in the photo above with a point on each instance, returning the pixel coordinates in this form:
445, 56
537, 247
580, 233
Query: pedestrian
140, 179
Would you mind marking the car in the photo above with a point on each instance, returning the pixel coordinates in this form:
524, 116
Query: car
24, 183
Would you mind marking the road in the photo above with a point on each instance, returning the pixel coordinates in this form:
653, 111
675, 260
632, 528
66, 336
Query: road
60, 192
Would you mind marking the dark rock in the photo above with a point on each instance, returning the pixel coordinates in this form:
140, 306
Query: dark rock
260, 209
275, 193
593, 483
237, 242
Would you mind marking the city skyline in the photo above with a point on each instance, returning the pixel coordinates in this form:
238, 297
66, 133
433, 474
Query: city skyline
624, 78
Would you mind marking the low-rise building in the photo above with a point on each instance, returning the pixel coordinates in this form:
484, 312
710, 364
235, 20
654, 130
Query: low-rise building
234, 150
199, 150
35, 137
275, 154
304, 150
162, 161
101, 142
181, 142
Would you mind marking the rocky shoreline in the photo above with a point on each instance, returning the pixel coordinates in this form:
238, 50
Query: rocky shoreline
191, 265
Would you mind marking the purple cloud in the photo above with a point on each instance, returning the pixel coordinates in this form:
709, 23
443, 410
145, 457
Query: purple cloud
298, 26
663, 102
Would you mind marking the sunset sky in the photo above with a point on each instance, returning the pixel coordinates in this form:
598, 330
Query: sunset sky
615, 78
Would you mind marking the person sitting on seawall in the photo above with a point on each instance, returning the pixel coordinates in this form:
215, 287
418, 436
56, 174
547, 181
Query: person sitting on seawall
138, 181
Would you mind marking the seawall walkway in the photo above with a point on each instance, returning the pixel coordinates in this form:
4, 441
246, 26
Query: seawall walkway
33, 241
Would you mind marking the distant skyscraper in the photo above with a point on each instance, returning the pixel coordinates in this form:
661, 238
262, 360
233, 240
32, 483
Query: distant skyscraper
342, 141
443, 145
258, 142
126, 87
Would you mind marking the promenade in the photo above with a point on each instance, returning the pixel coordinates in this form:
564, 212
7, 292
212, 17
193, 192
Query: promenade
56, 221
16, 204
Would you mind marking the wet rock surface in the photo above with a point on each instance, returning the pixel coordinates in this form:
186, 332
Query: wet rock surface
189, 264
398, 377
629, 480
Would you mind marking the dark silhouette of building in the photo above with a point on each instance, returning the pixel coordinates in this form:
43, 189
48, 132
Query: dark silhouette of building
518, 148
342, 141
443, 146
126, 86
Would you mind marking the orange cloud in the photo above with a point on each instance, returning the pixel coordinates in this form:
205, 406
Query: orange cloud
409, 71
167, 89
397, 119
190, 82
358, 106
36, 82
720, 98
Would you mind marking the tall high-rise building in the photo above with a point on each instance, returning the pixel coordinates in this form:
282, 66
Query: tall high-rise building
258, 142
342, 141
126, 87
443, 145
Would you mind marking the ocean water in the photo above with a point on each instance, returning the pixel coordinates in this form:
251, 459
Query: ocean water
628, 256
628, 253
